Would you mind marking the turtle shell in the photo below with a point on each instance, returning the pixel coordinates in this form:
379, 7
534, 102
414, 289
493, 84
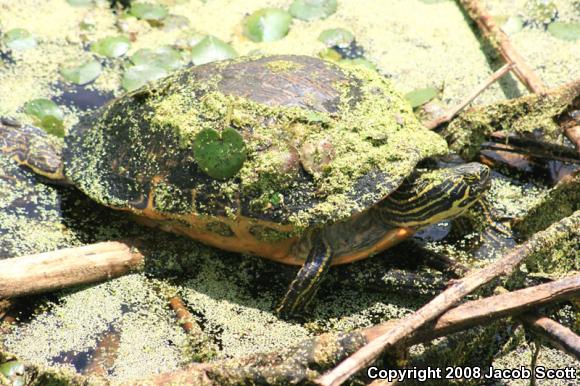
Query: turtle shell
323, 142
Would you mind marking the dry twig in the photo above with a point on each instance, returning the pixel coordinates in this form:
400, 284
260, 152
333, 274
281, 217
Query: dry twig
406, 327
560, 336
303, 362
457, 109
500, 41
49, 271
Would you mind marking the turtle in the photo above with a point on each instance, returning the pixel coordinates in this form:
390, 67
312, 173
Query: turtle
292, 158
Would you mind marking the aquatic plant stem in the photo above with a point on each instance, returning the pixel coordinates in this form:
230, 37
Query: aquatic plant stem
200, 342
449, 115
501, 42
406, 327
63, 268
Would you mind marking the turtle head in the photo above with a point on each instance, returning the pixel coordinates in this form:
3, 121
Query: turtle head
435, 196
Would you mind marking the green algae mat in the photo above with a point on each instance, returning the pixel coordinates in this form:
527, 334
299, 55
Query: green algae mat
62, 59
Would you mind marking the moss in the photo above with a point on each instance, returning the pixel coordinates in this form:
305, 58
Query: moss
526, 114
475, 347
283, 66
559, 202
170, 199
373, 130
268, 235
557, 262
220, 228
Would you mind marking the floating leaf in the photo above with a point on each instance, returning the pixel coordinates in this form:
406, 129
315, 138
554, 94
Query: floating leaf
362, 62
210, 49
513, 24
330, 54
87, 24
147, 11
165, 57
267, 25
540, 12
173, 22
46, 114
420, 96
219, 156
111, 46
499, 19
136, 76
189, 39
19, 39
312, 9
336, 37
83, 74
14, 372
80, 3
565, 31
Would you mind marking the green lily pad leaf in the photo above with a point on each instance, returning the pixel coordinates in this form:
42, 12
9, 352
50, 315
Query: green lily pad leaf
19, 39
137, 76
267, 25
189, 39
165, 57
330, 54
87, 24
83, 74
12, 369
173, 22
540, 13
219, 156
312, 9
421, 96
499, 19
513, 24
565, 31
80, 3
336, 37
362, 62
111, 46
147, 11
47, 115
13, 372
210, 49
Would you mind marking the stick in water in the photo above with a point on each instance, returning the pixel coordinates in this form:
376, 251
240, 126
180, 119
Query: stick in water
406, 327
68, 267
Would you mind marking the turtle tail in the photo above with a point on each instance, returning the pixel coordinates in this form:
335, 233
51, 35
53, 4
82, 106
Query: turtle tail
32, 147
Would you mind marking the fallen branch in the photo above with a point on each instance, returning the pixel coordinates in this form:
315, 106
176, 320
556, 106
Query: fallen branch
532, 147
562, 200
303, 363
50, 271
454, 111
406, 327
482, 311
560, 336
525, 114
500, 41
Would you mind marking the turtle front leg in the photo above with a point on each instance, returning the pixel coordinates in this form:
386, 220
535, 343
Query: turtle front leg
304, 286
